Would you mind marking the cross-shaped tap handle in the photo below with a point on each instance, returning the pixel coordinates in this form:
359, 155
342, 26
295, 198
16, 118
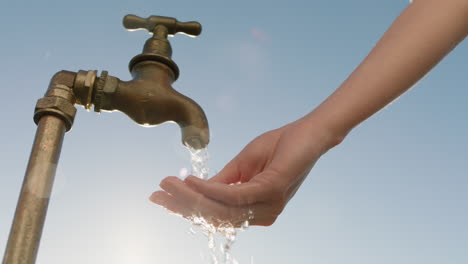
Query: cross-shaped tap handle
132, 22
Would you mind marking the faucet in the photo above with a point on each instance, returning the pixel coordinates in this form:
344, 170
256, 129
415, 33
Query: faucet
148, 99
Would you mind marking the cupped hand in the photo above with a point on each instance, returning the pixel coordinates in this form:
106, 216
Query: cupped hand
256, 185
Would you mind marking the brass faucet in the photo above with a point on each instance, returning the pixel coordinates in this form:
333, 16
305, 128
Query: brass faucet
148, 99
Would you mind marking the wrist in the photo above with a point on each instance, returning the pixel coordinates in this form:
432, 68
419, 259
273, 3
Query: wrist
322, 131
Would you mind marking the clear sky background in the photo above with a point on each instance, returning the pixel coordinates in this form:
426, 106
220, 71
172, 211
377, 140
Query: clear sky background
395, 191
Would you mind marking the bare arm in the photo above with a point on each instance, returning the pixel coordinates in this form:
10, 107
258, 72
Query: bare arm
418, 39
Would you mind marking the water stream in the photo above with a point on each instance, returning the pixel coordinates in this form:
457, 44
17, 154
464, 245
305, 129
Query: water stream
221, 238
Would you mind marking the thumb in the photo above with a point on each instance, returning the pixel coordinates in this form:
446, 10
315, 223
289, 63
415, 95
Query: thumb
229, 174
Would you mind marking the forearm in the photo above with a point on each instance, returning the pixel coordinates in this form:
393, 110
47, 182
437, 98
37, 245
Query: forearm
419, 38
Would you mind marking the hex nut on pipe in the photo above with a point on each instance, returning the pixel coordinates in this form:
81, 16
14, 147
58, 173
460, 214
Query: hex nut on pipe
61, 91
56, 106
83, 87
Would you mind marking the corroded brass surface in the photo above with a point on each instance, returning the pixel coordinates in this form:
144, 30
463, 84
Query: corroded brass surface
54, 114
31, 210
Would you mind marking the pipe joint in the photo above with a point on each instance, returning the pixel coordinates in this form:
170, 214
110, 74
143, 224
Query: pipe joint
59, 99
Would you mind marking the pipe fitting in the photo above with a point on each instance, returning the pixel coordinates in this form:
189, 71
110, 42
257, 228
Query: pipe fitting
56, 106
59, 99
83, 88
105, 88
62, 91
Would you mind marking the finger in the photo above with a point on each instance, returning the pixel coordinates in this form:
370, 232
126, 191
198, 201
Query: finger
194, 200
262, 214
177, 188
168, 201
258, 214
199, 205
229, 174
236, 195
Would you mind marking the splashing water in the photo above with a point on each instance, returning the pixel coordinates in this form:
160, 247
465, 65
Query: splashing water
220, 238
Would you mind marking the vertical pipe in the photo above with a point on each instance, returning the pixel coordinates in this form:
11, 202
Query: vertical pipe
26, 230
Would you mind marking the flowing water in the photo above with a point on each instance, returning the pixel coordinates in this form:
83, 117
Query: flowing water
220, 238
199, 158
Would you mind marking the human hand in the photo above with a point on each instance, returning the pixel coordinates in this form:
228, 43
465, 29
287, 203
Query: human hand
256, 185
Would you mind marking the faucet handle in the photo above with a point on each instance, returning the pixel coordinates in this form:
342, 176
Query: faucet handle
132, 22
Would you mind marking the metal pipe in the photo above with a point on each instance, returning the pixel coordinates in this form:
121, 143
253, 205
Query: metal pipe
26, 230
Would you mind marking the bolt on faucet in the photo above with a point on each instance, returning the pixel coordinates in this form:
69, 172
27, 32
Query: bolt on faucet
148, 99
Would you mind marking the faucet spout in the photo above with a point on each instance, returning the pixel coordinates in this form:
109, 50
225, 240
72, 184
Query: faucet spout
150, 100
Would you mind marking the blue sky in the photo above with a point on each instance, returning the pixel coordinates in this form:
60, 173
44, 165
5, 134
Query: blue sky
393, 192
